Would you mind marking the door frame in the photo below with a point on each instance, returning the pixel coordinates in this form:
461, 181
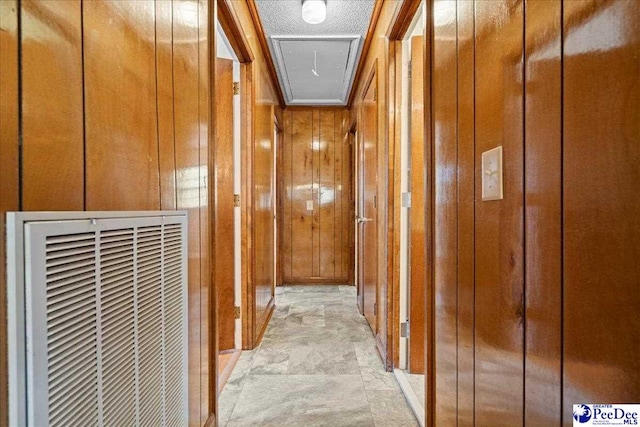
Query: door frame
224, 13
400, 23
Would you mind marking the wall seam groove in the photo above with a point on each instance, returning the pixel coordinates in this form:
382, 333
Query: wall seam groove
562, 28
20, 108
524, 213
84, 111
155, 47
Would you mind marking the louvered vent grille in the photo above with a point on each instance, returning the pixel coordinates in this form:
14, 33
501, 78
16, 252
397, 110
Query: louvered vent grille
71, 329
105, 334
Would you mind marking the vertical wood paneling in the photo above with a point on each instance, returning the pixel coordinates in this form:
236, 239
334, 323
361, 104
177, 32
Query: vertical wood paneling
166, 134
143, 129
52, 106
418, 261
315, 194
208, 358
286, 220
316, 243
327, 205
9, 165
120, 106
499, 259
601, 202
263, 211
465, 217
301, 154
543, 213
445, 148
187, 137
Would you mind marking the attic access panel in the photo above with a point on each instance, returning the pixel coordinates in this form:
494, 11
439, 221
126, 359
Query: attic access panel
316, 70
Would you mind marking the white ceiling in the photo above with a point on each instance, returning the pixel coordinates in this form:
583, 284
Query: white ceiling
337, 43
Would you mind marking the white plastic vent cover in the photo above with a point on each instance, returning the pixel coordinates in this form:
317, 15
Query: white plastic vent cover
97, 319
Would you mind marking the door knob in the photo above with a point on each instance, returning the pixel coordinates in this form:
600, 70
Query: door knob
361, 220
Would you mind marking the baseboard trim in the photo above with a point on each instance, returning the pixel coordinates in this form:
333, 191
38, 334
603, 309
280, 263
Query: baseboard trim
414, 403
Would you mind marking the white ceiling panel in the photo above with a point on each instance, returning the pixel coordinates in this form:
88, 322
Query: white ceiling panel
316, 70
336, 42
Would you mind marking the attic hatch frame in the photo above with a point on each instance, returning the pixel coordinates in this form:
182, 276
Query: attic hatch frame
355, 47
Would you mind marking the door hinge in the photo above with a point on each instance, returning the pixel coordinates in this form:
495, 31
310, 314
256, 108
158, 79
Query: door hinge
410, 66
375, 308
236, 200
236, 312
406, 200
404, 329
375, 202
236, 88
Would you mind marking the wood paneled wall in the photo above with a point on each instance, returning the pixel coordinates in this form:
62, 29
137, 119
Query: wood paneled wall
537, 294
316, 244
113, 114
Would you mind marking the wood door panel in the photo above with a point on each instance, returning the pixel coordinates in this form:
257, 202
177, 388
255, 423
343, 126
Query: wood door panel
417, 223
224, 211
601, 203
368, 193
120, 106
52, 130
315, 244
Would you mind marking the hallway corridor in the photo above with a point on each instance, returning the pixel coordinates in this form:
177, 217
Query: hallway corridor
317, 365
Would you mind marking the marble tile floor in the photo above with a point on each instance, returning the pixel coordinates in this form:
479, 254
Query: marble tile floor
317, 365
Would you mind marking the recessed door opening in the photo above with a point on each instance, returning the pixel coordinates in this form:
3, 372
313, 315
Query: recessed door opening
227, 221
411, 345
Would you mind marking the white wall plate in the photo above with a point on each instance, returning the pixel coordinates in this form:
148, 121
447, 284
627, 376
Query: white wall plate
492, 185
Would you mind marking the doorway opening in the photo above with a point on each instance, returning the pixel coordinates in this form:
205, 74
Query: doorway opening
227, 222
411, 327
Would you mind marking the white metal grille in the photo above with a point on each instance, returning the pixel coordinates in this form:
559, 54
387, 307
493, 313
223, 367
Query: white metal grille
104, 321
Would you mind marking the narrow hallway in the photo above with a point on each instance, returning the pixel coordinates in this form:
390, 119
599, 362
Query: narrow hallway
317, 365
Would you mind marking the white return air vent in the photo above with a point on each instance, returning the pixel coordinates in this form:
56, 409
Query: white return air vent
97, 318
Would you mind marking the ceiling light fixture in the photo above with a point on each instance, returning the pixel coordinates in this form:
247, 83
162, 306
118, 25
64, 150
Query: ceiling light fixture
314, 11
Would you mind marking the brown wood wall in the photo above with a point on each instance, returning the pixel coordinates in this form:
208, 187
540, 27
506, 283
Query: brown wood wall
316, 244
537, 294
114, 116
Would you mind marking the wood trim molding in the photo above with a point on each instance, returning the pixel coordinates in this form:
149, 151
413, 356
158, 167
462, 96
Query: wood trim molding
232, 27
402, 19
365, 49
253, 10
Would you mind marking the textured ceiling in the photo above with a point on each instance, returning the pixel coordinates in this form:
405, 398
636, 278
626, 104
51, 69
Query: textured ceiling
300, 86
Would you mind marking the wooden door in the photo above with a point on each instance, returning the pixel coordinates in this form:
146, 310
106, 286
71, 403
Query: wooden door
417, 223
224, 214
368, 254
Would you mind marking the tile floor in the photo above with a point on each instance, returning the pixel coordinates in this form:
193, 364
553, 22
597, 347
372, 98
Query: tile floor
317, 365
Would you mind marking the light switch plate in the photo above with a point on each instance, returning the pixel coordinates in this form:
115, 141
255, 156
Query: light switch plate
492, 188
309, 205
